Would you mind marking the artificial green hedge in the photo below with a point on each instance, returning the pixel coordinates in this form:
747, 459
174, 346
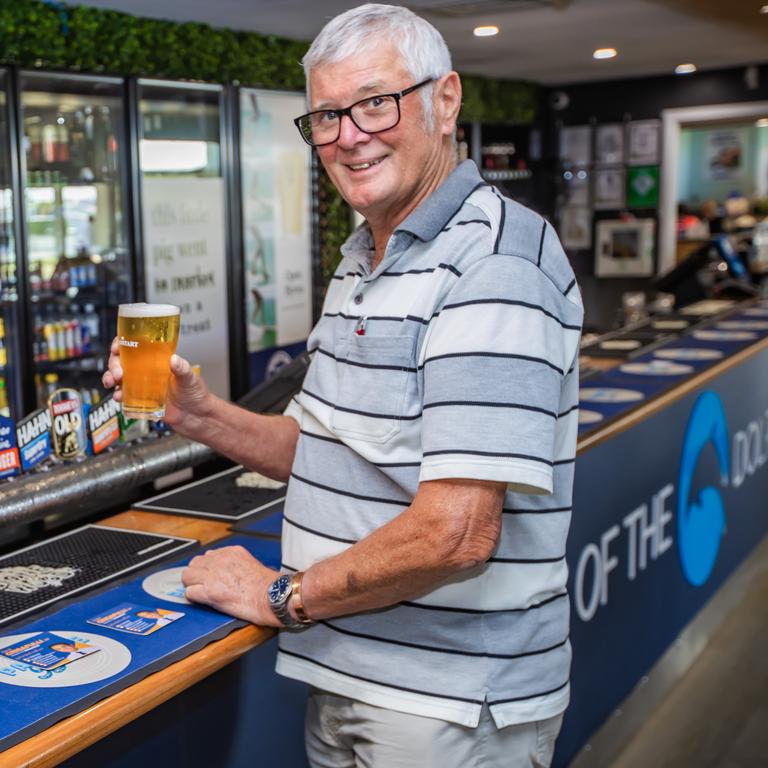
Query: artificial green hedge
56, 36
52, 35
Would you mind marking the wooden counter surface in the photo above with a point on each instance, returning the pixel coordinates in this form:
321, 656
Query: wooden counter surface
75, 733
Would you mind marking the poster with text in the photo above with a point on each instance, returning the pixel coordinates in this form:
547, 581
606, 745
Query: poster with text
275, 165
185, 265
725, 154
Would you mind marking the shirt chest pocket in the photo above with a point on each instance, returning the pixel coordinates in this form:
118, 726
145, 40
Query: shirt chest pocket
374, 373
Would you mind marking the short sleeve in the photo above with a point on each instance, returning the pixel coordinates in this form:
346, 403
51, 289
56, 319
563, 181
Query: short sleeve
495, 358
294, 410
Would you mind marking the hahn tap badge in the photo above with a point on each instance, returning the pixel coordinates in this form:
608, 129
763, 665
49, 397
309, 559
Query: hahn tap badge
33, 436
69, 438
104, 424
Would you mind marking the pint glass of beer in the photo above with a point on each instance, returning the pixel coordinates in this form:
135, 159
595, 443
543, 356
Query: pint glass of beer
147, 335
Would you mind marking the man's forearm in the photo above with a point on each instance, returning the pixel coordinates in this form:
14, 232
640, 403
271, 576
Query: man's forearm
262, 442
451, 526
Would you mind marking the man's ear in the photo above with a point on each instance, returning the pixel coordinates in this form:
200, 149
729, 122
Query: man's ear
447, 102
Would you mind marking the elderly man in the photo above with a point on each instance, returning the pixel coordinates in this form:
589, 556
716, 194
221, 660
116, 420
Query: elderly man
429, 455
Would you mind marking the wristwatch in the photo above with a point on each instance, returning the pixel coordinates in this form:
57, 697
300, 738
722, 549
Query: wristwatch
279, 595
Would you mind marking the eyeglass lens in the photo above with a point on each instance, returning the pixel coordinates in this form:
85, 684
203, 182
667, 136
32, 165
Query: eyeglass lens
379, 113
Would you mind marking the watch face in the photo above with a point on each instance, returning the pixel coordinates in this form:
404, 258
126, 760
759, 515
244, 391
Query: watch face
278, 588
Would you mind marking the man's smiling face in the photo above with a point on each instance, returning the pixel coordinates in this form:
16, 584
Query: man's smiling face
381, 175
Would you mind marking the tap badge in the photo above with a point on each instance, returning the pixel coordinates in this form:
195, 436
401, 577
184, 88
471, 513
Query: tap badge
701, 517
69, 438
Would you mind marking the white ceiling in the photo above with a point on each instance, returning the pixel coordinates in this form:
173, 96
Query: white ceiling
546, 41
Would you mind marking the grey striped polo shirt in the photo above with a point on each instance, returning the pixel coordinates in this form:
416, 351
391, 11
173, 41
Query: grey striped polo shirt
455, 358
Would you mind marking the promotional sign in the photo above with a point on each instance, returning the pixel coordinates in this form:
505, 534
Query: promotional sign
643, 186
663, 513
104, 424
33, 437
725, 153
9, 453
275, 167
185, 265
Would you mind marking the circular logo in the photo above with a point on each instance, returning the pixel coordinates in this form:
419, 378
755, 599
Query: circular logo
688, 353
656, 368
166, 585
710, 335
743, 325
620, 344
670, 325
609, 395
701, 517
112, 657
589, 417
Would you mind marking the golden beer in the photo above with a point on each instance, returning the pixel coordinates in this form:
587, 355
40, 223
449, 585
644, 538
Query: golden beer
147, 335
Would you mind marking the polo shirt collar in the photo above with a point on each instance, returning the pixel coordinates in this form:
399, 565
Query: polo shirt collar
359, 247
426, 221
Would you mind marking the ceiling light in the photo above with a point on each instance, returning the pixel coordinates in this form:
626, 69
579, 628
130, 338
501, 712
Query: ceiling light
605, 53
762, 122
764, 9
487, 31
685, 69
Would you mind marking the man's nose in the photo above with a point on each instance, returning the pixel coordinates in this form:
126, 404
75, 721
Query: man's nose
349, 133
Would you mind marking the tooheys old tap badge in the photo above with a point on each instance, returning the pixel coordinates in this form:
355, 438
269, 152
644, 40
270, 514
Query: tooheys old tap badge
69, 438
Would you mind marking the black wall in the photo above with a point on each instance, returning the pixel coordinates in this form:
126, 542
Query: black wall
636, 99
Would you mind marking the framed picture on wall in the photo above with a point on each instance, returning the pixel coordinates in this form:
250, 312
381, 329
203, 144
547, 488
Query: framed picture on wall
644, 142
576, 227
624, 248
643, 186
610, 185
609, 144
576, 145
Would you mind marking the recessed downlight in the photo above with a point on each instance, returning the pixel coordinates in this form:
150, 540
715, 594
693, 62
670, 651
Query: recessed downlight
685, 69
605, 53
488, 30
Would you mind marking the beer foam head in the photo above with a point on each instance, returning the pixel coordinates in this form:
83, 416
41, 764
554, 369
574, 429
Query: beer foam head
147, 310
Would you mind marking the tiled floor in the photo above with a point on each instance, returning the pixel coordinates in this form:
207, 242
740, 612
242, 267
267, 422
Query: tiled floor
717, 715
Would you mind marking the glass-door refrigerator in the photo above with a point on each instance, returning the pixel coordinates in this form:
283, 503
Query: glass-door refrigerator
184, 218
74, 170
10, 363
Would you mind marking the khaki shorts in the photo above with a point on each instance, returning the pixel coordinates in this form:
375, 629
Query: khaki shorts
345, 733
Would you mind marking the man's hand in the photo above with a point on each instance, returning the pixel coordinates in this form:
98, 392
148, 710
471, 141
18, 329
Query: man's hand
188, 400
232, 581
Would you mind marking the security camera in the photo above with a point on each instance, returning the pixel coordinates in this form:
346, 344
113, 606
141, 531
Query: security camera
559, 100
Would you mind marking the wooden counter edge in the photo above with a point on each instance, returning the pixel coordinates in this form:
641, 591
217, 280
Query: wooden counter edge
70, 736
74, 734
666, 399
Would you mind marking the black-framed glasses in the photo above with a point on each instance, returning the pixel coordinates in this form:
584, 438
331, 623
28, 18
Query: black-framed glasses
372, 114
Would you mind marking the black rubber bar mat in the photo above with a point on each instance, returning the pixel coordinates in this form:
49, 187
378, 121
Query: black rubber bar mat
37, 576
217, 497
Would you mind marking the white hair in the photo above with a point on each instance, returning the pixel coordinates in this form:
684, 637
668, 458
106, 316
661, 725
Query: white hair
363, 29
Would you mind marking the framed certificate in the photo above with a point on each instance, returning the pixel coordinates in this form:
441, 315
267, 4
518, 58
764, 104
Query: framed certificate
644, 142
609, 144
610, 185
576, 227
576, 145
